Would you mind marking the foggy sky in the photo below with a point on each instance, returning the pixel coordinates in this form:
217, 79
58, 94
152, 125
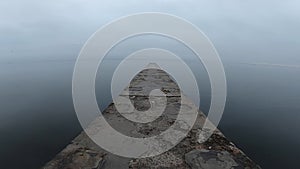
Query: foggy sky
262, 31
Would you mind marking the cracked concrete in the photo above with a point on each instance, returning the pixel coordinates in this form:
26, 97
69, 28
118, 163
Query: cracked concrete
216, 153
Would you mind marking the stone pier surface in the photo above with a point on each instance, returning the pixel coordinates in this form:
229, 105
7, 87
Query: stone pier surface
216, 153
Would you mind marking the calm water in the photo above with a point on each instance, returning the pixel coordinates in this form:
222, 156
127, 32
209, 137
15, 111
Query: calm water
37, 118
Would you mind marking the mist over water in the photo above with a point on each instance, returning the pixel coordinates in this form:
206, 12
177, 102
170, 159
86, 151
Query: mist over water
257, 41
38, 118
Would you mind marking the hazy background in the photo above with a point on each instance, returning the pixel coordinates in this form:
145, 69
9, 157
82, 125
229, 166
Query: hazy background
258, 43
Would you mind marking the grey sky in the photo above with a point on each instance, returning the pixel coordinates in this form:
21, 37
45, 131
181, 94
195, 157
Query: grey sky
240, 29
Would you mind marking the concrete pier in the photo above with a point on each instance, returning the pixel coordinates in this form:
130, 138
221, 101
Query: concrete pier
216, 153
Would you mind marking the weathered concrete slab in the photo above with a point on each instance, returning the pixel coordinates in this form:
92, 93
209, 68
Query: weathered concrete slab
143, 84
216, 153
77, 157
